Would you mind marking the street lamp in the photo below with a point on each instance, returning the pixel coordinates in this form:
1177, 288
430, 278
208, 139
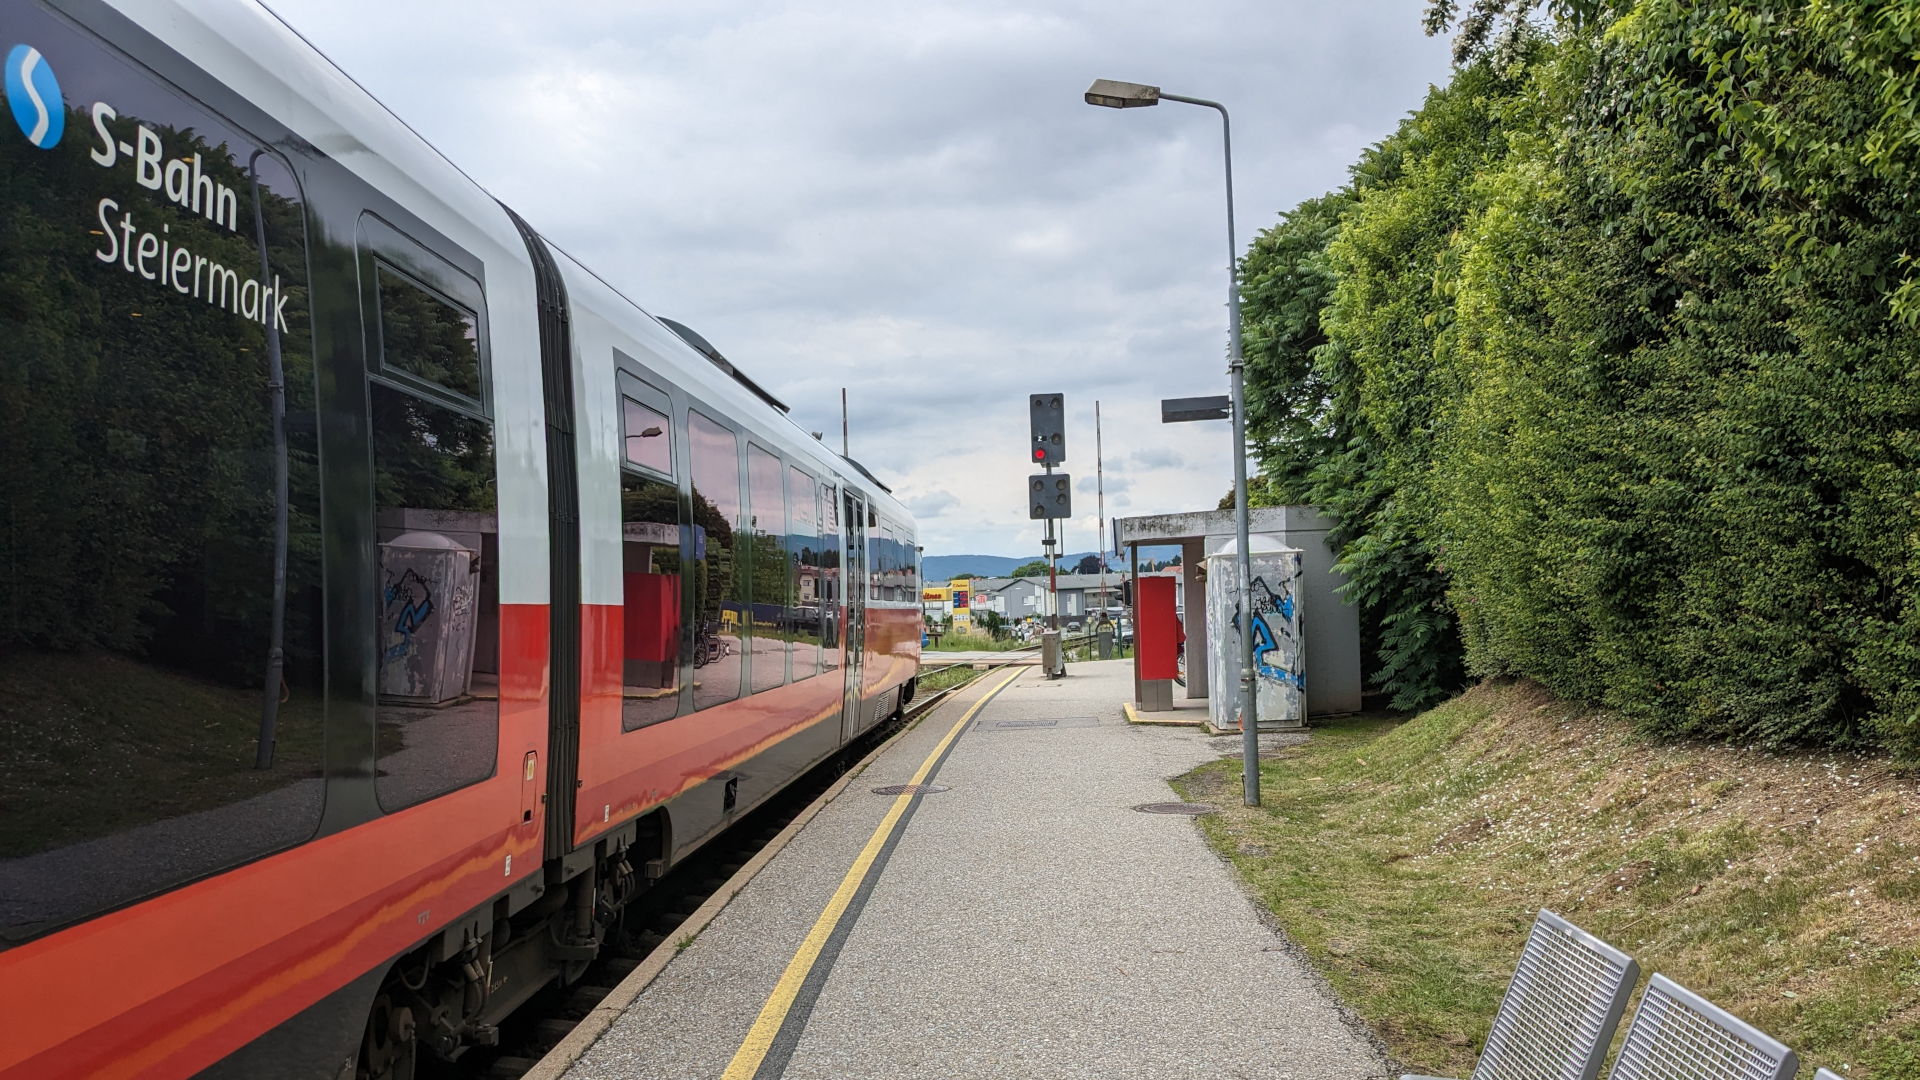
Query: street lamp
1124, 95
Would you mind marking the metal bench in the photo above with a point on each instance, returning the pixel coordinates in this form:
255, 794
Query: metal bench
1560, 1011
1678, 1035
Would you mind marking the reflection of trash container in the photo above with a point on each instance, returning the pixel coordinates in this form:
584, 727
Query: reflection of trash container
428, 607
1279, 650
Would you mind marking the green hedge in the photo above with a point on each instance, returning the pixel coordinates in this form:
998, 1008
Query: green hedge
1607, 361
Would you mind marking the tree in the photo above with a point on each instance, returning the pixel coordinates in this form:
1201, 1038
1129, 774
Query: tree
1089, 564
1607, 364
1036, 568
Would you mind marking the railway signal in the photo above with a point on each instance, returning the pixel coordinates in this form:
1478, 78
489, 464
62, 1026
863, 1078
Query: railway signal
1049, 419
1049, 495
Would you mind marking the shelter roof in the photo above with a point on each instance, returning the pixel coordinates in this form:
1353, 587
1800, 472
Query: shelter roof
1155, 529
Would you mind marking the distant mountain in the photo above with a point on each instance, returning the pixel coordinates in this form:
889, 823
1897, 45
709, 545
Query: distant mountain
938, 568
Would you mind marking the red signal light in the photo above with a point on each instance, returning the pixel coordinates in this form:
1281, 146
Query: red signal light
1039, 454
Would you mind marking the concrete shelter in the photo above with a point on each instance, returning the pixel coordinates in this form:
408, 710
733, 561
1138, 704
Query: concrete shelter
1331, 625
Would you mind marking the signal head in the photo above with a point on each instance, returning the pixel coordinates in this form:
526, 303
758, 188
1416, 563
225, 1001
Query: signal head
1049, 495
1049, 426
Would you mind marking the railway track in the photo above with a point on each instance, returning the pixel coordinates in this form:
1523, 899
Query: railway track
653, 918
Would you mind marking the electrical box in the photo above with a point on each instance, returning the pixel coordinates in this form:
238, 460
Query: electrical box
1049, 495
1279, 645
1049, 417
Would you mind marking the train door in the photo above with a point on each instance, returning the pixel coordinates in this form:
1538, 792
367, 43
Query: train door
854, 595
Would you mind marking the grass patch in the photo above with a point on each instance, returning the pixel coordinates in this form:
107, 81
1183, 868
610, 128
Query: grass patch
934, 682
1409, 858
958, 642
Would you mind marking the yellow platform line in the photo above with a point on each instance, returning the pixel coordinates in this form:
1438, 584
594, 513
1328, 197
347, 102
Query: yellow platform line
773, 1014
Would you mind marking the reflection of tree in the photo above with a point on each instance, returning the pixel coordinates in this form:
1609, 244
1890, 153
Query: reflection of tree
423, 336
769, 569
136, 497
650, 500
429, 457
717, 584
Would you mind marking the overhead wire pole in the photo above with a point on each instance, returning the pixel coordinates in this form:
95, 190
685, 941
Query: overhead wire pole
1053, 574
1100, 492
1119, 95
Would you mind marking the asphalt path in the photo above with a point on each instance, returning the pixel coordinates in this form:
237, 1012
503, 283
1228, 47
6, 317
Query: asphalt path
1024, 922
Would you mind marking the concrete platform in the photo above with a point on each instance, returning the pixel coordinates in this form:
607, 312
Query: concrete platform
1025, 922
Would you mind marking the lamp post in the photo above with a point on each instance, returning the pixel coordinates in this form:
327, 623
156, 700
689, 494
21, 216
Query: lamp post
1122, 95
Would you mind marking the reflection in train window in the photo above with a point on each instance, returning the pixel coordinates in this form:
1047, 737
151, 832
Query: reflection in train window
805, 590
832, 590
885, 553
718, 584
139, 501
767, 504
648, 438
427, 337
652, 592
439, 598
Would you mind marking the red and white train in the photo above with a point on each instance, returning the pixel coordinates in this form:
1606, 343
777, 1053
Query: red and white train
385, 600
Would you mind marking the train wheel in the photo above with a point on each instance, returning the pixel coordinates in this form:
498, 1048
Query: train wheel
387, 1051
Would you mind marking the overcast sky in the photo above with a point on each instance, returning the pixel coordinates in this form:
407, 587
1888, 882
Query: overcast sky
911, 200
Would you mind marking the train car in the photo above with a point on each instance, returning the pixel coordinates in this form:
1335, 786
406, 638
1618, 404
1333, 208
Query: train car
385, 600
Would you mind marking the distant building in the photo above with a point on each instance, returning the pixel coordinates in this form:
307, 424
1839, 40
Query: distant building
1018, 599
1013, 599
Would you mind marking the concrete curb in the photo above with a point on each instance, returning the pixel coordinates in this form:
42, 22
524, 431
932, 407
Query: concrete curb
588, 1031
1134, 717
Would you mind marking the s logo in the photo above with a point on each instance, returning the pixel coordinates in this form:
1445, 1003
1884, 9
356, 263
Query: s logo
34, 94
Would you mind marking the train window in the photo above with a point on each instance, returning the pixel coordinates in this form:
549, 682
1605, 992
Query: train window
138, 463
718, 585
650, 564
426, 336
805, 590
649, 438
439, 693
832, 588
768, 632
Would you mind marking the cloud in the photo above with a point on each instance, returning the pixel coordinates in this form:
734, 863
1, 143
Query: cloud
912, 201
932, 504
1158, 457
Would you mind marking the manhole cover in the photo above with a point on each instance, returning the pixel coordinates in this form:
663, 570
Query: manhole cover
1192, 809
909, 789
1038, 724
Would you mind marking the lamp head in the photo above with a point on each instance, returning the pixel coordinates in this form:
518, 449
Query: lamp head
1122, 95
